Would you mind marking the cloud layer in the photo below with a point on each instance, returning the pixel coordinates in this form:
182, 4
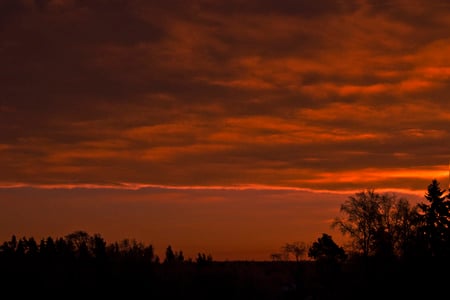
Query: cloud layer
321, 95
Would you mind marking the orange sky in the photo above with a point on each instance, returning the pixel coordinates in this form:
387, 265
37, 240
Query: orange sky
158, 113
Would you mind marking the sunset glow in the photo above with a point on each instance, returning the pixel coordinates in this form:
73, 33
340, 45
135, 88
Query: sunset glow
223, 120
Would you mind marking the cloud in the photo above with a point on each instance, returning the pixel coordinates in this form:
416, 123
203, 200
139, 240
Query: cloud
221, 93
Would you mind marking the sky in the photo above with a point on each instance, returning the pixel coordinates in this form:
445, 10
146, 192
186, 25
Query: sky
226, 127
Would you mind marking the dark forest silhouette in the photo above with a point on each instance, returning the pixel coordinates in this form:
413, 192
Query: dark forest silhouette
397, 250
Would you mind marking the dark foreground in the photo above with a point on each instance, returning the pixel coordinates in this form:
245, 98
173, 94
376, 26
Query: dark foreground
223, 280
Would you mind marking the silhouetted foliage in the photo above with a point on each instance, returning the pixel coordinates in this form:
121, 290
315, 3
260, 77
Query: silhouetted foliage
404, 223
170, 255
276, 256
325, 249
379, 224
434, 232
385, 229
296, 249
203, 259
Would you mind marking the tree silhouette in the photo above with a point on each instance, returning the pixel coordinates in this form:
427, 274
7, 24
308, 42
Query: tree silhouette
379, 224
325, 249
149, 253
203, 259
404, 224
170, 255
47, 248
328, 256
360, 220
99, 247
78, 243
32, 247
297, 249
20, 250
179, 256
436, 220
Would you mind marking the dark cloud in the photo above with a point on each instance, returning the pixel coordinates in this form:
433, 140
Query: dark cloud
222, 92
302, 8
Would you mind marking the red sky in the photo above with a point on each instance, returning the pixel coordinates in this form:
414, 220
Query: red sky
223, 126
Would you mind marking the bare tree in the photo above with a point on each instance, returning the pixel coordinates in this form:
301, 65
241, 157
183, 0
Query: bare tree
360, 219
297, 249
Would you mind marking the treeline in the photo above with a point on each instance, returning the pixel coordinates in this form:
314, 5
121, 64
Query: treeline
80, 265
397, 249
384, 226
378, 225
81, 246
